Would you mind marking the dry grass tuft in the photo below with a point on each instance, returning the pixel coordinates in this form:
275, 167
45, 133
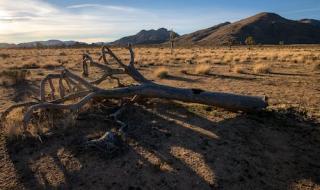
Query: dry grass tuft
4, 55
261, 68
161, 72
63, 54
237, 69
50, 66
12, 125
189, 61
236, 59
316, 67
45, 121
184, 71
203, 69
30, 66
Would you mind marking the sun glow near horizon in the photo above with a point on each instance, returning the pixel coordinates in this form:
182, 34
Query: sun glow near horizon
33, 20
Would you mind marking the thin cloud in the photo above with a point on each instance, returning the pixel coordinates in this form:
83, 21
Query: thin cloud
102, 6
14, 19
34, 20
19, 22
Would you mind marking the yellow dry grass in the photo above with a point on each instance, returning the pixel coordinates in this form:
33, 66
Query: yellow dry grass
203, 69
237, 69
261, 68
190, 131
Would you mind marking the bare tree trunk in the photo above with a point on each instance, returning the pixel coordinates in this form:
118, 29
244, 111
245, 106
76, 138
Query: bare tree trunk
145, 88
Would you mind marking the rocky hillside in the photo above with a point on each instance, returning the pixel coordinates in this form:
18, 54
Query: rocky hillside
265, 28
311, 21
146, 37
199, 35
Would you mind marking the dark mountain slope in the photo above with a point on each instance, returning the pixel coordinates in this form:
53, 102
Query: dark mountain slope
146, 37
265, 28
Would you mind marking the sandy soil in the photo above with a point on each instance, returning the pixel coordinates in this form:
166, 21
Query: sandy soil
174, 145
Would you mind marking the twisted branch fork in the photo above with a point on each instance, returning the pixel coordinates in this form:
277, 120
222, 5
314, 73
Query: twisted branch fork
74, 83
79, 87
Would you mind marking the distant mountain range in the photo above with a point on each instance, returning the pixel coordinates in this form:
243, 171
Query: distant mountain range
6, 45
265, 28
48, 43
311, 21
143, 37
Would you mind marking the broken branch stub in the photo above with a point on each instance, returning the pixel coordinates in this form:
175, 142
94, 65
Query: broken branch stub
145, 88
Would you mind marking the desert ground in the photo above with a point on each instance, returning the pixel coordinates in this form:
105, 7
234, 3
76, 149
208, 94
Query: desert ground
171, 144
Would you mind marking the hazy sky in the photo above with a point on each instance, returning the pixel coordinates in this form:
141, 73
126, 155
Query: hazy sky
93, 20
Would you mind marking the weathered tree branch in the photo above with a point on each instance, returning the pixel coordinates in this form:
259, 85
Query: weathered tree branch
145, 88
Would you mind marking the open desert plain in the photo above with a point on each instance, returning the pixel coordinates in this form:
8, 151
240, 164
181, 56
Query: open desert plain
168, 143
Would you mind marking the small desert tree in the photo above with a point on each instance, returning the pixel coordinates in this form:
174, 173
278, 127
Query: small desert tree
249, 41
39, 45
231, 42
172, 40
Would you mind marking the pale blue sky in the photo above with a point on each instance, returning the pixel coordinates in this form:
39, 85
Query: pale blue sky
93, 20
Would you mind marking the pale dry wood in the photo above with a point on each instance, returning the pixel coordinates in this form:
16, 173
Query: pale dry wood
145, 89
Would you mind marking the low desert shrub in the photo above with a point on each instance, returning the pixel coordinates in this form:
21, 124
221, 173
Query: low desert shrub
264, 58
237, 69
161, 72
50, 66
12, 124
246, 59
274, 57
62, 62
44, 122
203, 69
204, 61
184, 71
236, 59
189, 61
30, 66
316, 67
227, 59
261, 68
4, 55
64, 54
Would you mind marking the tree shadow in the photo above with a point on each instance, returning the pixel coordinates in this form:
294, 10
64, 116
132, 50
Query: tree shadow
179, 78
23, 90
222, 76
170, 146
290, 74
272, 73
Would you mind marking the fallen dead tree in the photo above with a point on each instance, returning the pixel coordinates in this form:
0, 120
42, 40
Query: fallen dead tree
72, 87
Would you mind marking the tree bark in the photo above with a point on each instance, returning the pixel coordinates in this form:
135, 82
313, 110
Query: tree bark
145, 88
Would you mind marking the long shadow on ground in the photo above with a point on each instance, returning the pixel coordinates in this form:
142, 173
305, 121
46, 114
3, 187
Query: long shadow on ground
23, 89
223, 76
172, 147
